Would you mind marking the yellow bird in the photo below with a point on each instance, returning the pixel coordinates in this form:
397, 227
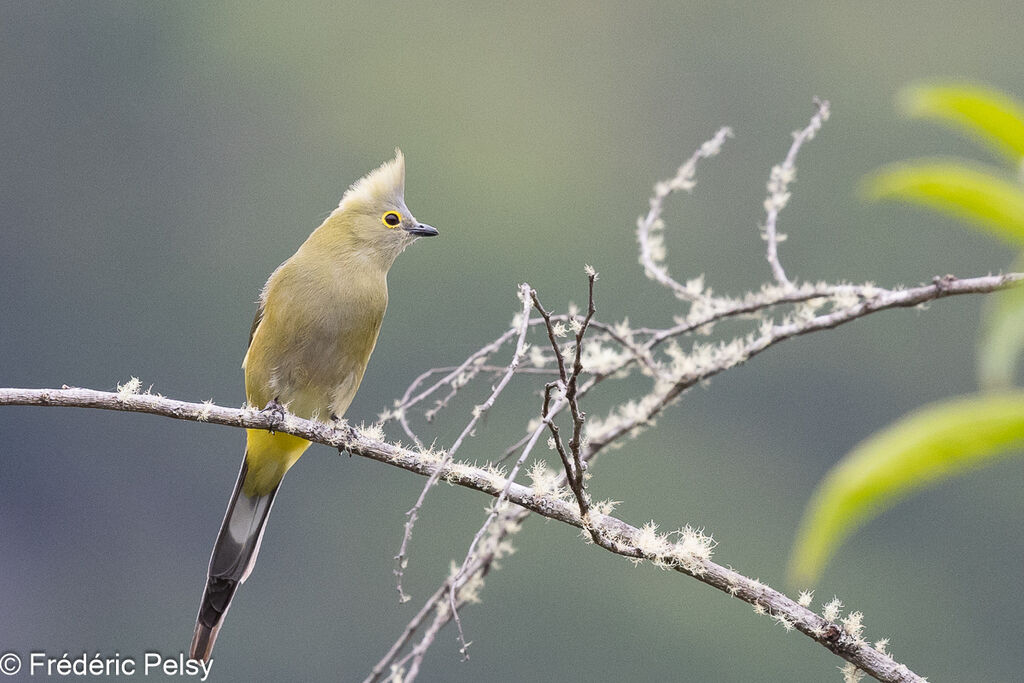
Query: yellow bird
314, 331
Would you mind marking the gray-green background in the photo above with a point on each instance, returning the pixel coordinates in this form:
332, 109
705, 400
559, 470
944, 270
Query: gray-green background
160, 159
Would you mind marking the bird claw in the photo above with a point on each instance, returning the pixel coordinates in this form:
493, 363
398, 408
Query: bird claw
276, 412
351, 435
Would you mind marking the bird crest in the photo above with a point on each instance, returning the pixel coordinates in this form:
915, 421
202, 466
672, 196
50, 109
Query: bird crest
384, 185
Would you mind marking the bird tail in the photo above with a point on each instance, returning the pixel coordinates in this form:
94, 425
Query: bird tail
232, 560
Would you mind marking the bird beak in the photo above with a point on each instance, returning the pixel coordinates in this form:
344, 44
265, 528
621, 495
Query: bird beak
422, 230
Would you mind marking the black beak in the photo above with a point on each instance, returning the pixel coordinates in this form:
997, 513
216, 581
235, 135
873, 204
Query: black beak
422, 230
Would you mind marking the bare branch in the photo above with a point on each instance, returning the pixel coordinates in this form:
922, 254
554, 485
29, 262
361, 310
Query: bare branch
569, 385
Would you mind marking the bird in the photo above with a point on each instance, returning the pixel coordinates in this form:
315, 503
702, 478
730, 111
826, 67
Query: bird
316, 325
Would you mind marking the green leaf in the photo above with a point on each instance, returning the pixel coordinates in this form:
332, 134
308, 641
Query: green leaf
1002, 337
969, 193
991, 116
931, 444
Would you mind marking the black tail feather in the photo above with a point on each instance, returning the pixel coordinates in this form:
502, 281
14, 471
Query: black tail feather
234, 555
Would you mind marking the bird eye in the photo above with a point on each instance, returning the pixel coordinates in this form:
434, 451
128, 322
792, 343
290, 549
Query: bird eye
391, 219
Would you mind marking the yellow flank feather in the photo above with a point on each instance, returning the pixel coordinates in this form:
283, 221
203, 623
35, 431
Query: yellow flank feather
319, 315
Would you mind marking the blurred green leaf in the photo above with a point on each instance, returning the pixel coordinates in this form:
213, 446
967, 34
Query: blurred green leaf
1002, 337
932, 443
991, 116
973, 194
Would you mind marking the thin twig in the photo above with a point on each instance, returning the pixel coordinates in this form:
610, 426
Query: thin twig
458, 376
568, 384
479, 568
572, 385
463, 572
401, 559
389, 662
778, 190
463, 372
649, 227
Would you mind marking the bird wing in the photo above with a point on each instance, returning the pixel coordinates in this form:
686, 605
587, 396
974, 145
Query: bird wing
255, 322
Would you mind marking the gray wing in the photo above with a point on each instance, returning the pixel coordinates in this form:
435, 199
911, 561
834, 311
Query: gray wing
255, 323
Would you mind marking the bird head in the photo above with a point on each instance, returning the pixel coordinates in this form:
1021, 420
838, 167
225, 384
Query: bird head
372, 216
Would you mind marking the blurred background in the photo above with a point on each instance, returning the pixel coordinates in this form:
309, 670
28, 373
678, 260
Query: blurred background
159, 160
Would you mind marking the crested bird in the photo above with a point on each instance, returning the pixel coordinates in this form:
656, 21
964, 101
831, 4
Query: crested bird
316, 325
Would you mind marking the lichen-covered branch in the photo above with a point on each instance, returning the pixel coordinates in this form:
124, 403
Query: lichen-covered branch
778, 190
650, 227
779, 311
688, 554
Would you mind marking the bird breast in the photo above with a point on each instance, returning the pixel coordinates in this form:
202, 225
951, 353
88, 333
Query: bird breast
314, 342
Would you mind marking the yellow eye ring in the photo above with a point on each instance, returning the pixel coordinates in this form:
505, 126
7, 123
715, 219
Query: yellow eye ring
392, 219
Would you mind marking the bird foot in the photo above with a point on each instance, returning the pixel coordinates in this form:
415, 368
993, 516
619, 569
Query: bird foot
276, 412
351, 435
